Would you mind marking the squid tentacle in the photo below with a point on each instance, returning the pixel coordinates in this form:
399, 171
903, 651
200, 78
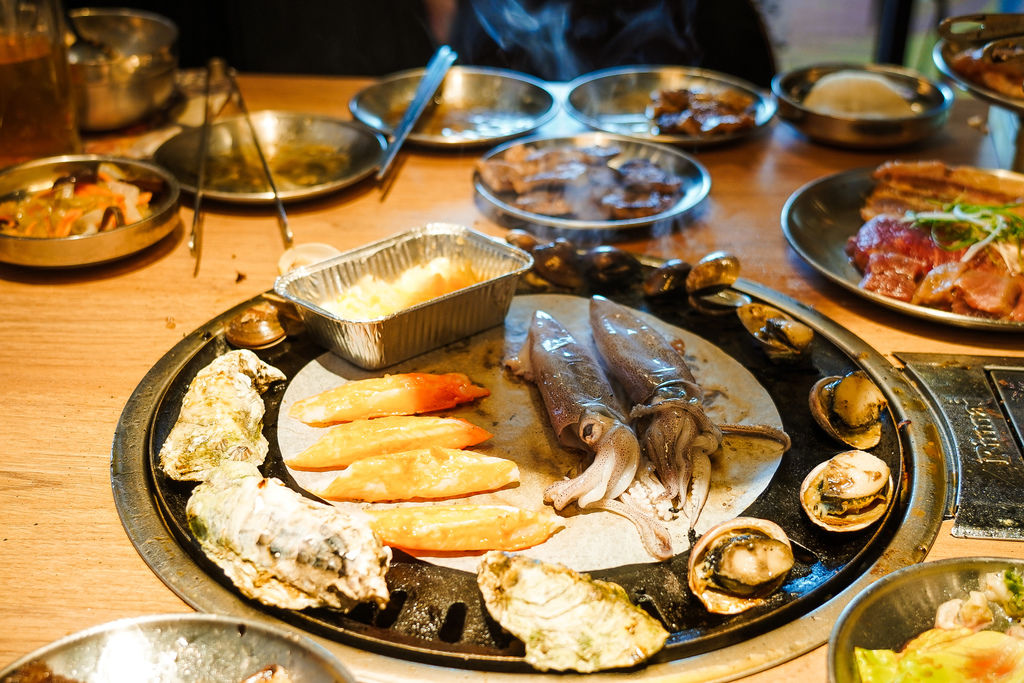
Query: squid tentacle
759, 431
653, 535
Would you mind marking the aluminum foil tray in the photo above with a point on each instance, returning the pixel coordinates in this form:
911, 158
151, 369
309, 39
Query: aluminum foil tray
377, 343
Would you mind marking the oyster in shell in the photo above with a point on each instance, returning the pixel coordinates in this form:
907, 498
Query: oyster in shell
847, 492
283, 549
849, 409
221, 417
566, 620
737, 564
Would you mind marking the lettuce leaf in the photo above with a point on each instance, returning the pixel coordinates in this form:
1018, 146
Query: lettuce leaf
954, 656
1015, 587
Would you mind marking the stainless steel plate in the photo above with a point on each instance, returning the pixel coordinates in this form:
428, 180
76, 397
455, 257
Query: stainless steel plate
696, 183
615, 100
84, 250
474, 106
942, 54
901, 606
817, 220
930, 102
435, 620
184, 648
310, 156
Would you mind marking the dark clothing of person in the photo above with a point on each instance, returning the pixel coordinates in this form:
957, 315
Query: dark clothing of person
551, 39
350, 37
562, 39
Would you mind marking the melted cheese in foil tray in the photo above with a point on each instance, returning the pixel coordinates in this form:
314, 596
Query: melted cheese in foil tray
370, 297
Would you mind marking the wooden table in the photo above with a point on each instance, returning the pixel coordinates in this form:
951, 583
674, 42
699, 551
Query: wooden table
77, 342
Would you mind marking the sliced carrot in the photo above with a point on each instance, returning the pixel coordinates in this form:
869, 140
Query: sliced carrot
420, 474
66, 221
403, 394
92, 190
343, 444
463, 528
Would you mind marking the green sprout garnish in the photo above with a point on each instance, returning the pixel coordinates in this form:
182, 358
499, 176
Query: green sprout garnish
971, 226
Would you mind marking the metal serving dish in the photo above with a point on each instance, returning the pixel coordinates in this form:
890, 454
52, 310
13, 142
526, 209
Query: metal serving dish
83, 250
474, 106
942, 56
901, 606
184, 648
615, 100
696, 183
310, 155
821, 216
929, 100
380, 342
136, 80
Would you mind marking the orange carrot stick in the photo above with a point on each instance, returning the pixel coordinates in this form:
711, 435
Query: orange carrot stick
463, 528
343, 444
421, 474
404, 394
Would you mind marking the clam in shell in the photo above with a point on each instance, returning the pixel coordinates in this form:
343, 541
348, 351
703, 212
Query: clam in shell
782, 337
849, 409
848, 492
713, 273
737, 564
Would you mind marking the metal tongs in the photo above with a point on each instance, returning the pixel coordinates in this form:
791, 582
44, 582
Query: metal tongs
1000, 35
436, 70
218, 69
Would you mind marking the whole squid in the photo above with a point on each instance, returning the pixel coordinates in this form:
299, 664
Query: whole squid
668, 412
585, 415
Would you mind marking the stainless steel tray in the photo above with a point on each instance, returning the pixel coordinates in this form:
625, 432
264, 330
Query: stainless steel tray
345, 153
941, 55
436, 623
474, 106
696, 184
615, 100
184, 648
817, 220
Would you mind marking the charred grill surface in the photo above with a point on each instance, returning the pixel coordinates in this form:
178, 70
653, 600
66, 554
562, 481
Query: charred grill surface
436, 614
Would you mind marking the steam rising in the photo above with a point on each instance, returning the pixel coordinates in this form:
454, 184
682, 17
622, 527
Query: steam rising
557, 42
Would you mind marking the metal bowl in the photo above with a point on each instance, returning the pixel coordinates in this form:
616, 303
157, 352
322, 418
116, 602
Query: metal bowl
615, 100
83, 250
929, 100
902, 605
184, 648
136, 79
309, 155
474, 106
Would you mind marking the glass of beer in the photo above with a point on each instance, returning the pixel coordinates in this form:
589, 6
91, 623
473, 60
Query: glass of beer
37, 109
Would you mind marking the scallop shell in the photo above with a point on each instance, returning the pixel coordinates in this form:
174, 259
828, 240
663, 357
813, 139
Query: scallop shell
701, 571
849, 409
782, 337
851, 475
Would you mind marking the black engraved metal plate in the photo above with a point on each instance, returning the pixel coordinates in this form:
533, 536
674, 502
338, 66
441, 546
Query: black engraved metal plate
980, 400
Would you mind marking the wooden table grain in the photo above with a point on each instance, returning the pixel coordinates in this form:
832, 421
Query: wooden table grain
75, 343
